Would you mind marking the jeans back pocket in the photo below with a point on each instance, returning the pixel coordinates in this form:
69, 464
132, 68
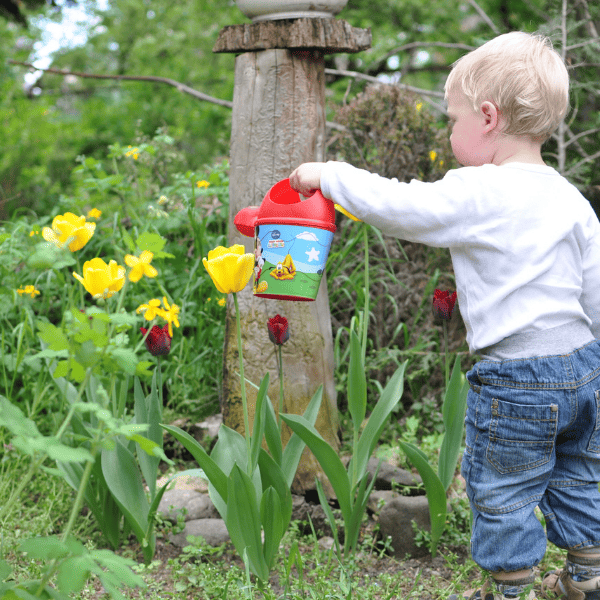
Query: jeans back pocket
521, 436
594, 443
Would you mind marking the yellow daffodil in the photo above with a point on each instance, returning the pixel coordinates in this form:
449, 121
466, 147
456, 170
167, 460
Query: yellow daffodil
432, 155
202, 184
170, 314
140, 266
152, 309
101, 280
345, 212
229, 268
28, 289
94, 213
69, 228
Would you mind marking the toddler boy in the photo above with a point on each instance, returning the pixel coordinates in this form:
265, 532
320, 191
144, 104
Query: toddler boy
525, 247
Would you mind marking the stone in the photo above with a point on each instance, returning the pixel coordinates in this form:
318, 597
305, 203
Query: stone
213, 531
380, 498
307, 512
389, 476
199, 506
395, 521
326, 543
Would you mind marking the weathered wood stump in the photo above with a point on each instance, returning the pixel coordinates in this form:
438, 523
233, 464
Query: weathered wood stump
279, 123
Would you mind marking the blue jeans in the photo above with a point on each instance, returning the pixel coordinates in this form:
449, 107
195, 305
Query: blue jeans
533, 438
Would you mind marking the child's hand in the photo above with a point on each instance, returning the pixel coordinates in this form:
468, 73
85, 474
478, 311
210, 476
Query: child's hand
306, 179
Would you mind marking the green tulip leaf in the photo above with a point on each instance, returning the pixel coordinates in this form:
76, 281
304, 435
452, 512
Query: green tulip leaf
295, 446
243, 521
258, 427
328, 459
124, 480
213, 472
453, 413
357, 383
273, 524
273, 477
372, 432
436, 493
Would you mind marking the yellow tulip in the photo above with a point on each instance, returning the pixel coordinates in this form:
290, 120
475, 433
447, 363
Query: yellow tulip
101, 280
229, 268
69, 227
140, 266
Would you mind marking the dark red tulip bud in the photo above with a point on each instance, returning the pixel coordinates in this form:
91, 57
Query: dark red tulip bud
279, 332
158, 341
443, 304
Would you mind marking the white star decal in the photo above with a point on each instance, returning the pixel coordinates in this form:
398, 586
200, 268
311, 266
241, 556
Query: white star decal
313, 254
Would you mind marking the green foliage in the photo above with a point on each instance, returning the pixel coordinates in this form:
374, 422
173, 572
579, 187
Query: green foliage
257, 499
351, 487
436, 484
73, 564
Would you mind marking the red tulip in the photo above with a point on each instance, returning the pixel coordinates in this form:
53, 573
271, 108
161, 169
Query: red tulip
279, 332
443, 304
158, 341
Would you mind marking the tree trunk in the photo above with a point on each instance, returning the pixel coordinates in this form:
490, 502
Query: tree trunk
278, 123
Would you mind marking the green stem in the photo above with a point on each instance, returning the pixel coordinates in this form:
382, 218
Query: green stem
243, 382
447, 362
365, 323
280, 408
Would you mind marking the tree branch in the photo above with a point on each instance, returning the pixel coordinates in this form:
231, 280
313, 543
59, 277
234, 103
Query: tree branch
581, 44
358, 75
165, 80
582, 134
427, 93
484, 16
413, 45
579, 164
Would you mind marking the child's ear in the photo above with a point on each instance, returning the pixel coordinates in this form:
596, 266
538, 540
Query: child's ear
491, 116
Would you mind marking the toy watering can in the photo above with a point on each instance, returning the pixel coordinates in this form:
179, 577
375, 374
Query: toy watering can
292, 238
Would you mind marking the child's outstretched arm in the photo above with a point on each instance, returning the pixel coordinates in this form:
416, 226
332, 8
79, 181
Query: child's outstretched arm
306, 179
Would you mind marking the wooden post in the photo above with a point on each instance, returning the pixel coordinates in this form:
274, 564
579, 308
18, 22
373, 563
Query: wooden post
279, 123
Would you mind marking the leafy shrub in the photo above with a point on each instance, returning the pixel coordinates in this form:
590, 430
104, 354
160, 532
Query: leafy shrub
388, 130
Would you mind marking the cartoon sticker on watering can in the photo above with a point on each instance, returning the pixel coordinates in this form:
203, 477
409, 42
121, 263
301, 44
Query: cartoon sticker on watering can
290, 260
292, 238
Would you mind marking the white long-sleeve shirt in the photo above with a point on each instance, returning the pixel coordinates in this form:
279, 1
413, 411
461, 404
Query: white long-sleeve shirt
524, 242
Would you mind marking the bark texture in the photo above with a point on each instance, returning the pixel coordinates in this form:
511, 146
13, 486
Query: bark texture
327, 35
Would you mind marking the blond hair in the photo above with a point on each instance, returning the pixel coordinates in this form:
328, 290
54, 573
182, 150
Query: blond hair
523, 76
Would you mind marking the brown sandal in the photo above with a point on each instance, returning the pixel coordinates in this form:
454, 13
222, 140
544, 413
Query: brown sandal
484, 593
559, 585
